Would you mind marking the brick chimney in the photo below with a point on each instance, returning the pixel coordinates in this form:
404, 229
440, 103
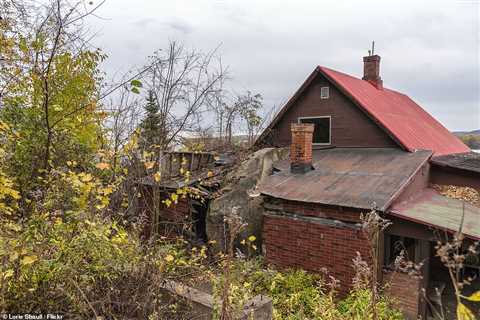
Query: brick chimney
371, 71
301, 147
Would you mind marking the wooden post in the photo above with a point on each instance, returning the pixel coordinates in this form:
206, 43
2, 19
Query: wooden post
156, 211
422, 255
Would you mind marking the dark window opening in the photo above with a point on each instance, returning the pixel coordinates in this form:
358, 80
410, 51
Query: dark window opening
395, 245
199, 217
321, 133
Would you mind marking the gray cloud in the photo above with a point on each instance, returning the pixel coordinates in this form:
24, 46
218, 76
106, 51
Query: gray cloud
179, 25
144, 23
429, 49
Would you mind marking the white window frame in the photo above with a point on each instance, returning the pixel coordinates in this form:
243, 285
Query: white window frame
327, 96
329, 131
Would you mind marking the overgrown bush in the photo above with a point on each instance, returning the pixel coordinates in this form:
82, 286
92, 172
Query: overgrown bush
297, 294
357, 305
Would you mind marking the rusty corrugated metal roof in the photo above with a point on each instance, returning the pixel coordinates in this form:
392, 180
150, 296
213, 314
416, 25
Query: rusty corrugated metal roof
432, 209
349, 177
469, 161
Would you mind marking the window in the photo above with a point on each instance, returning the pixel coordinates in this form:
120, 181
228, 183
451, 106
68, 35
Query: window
324, 92
321, 133
395, 245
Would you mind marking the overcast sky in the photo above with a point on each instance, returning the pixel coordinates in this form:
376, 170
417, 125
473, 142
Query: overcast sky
429, 49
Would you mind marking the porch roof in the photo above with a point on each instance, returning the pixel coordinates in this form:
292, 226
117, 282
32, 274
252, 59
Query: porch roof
432, 209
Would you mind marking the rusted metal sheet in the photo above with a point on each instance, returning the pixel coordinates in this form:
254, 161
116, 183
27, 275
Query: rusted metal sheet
469, 161
206, 176
432, 209
349, 177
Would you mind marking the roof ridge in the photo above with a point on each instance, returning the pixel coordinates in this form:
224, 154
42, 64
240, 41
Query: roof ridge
403, 119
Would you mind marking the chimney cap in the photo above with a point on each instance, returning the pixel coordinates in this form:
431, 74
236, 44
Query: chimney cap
374, 57
371, 71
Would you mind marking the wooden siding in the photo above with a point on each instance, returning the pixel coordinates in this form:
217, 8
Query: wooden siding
419, 182
350, 126
456, 177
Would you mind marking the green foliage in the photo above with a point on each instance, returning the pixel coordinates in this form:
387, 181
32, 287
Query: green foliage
60, 251
471, 140
298, 295
150, 128
136, 83
8, 195
56, 124
51, 256
248, 106
63, 246
357, 305
49, 99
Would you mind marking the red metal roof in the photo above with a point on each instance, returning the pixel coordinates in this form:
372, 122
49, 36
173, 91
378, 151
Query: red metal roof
399, 115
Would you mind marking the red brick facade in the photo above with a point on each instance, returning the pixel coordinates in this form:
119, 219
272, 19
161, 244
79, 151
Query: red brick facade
301, 147
371, 71
176, 213
169, 219
313, 237
405, 289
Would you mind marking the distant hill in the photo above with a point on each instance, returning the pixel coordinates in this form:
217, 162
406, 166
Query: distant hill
470, 138
464, 133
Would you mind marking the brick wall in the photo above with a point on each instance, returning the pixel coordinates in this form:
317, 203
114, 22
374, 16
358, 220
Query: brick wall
171, 219
315, 210
405, 290
176, 212
301, 147
306, 236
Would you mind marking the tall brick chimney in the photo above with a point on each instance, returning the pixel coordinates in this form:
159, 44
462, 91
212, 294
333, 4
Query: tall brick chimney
301, 147
371, 71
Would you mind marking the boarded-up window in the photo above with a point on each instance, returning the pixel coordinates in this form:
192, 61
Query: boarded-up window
321, 133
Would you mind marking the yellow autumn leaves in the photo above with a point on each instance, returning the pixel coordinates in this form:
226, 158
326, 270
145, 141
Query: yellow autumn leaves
7, 188
22, 257
250, 242
174, 196
177, 257
102, 166
86, 186
463, 313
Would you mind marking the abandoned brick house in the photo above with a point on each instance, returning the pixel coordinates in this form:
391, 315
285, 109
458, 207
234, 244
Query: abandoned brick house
356, 145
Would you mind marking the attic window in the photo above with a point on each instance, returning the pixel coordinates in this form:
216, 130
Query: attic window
322, 131
324, 92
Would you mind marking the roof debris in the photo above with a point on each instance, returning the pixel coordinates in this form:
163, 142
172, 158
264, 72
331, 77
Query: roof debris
466, 194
